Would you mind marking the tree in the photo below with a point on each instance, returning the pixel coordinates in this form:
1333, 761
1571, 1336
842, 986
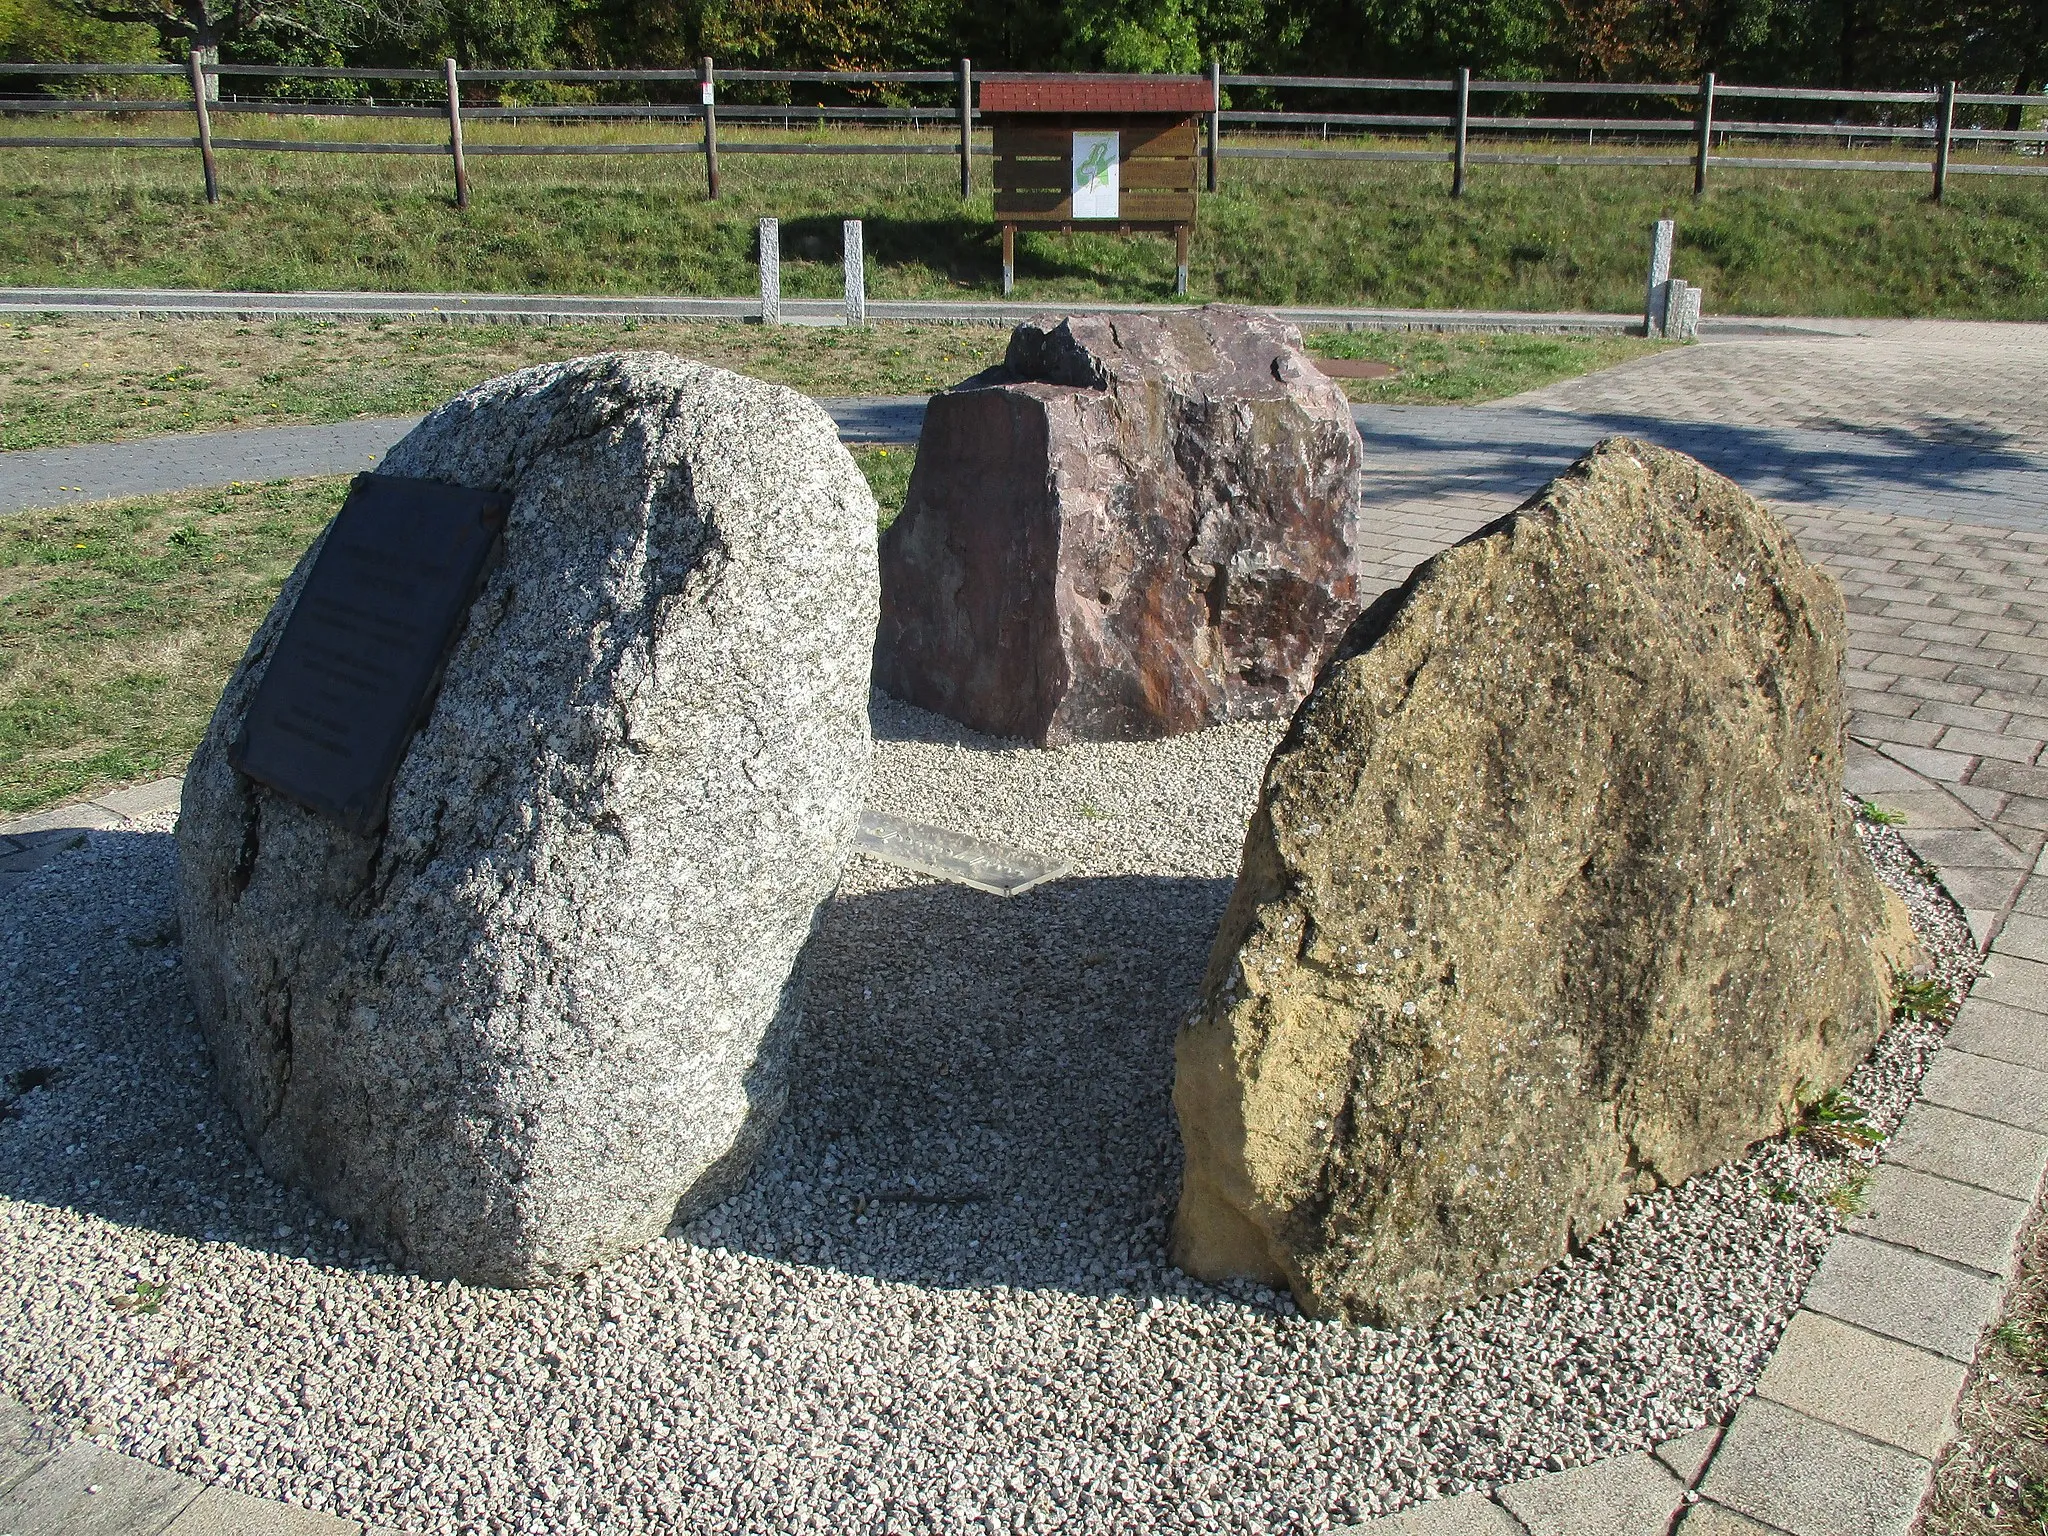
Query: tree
44, 32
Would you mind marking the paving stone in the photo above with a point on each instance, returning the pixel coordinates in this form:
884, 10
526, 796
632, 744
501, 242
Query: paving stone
1988, 890
1469, 1514
1710, 1519
1904, 1295
2013, 749
1865, 772
22, 1449
1992, 1090
61, 819
1814, 1479
1687, 1456
1938, 1216
141, 799
1621, 1496
89, 1491
2000, 1158
2022, 983
1905, 733
1927, 807
2013, 778
1934, 763
2024, 936
1945, 849
222, 1512
1884, 1390
35, 856
2001, 1031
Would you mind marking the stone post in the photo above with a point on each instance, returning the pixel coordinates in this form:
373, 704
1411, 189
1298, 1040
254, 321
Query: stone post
771, 272
856, 274
1660, 277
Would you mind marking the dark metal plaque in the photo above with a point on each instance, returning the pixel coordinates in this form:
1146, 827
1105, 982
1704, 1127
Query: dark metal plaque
356, 669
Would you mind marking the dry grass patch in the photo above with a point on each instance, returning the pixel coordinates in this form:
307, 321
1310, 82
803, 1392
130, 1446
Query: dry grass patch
1994, 1480
66, 381
84, 381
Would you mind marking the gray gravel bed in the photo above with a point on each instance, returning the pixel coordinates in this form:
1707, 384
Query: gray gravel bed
945, 1305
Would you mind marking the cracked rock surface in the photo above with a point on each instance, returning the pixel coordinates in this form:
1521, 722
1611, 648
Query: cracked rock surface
552, 998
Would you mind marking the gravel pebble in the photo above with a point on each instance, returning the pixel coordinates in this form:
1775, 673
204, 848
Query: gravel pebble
944, 1305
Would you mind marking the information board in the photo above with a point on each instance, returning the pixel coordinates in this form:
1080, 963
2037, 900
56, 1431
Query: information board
356, 668
1095, 174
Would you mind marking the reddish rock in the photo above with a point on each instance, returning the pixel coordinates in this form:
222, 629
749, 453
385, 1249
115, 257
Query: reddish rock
1137, 525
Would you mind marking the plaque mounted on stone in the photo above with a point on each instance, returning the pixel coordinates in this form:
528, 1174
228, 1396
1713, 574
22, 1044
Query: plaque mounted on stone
356, 668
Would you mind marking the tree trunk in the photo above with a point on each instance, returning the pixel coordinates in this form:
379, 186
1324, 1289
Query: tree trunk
1846, 45
206, 43
2025, 85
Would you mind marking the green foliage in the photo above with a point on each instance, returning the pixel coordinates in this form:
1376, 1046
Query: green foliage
144, 1298
48, 31
1919, 997
1837, 1122
1877, 815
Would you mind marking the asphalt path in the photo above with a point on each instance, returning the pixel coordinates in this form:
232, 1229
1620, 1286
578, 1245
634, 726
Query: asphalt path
1410, 450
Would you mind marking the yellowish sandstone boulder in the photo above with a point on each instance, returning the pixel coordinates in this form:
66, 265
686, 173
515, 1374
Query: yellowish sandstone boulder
1551, 896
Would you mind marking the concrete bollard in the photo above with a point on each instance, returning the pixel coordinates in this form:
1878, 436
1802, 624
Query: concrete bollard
771, 272
856, 274
1661, 240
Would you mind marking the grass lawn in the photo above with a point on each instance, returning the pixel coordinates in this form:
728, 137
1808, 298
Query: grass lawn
1526, 237
83, 381
120, 622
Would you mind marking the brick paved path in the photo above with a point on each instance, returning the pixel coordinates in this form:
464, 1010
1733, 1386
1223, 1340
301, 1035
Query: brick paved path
1913, 463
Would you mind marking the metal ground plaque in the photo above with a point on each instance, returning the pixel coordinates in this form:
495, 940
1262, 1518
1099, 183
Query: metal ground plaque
355, 671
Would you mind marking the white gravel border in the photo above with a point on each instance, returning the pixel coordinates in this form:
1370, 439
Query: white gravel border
944, 1307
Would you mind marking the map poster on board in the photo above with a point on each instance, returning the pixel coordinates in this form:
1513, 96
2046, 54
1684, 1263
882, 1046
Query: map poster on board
1095, 178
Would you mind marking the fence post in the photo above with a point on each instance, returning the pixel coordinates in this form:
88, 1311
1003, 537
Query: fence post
198, 71
455, 137
966, 129
1215, 114
771, 272
1654, 302
708, 83
1947, 115
856, 273
1463, 114
1706, 132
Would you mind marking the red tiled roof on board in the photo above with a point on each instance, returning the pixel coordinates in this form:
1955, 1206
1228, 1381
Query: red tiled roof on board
1096, 93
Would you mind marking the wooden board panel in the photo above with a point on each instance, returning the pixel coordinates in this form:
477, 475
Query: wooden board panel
1169, 207
1132, 175
1048, 226
1139, 137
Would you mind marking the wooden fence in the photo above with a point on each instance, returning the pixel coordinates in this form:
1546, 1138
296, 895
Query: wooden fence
1705, 113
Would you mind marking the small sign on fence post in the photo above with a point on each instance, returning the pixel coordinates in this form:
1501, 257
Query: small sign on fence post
1661, 240
1945, 124
707, 81
855, 264
1705, 131
771, 272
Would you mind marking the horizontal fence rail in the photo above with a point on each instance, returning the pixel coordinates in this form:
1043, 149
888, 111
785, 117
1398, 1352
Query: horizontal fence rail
1260, 125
